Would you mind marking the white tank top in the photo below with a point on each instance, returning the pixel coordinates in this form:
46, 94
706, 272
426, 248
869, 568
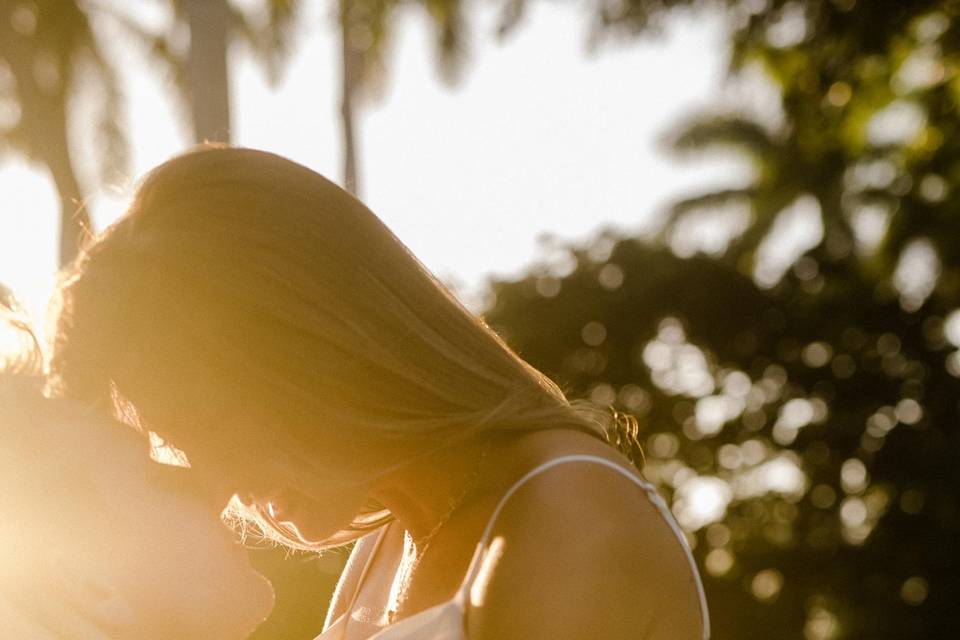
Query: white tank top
445, 621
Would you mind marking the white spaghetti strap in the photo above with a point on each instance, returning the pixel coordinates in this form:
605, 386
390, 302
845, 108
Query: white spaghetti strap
651, 492
361, 580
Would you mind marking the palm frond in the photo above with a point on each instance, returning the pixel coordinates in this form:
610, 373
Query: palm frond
369, 28
268, 33
877, 196
113, 149
159, 46
721, 131
511, 12
767, 206
451, 37
711, 200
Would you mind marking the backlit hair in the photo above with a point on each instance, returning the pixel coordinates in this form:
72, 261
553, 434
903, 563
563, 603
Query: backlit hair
260, 318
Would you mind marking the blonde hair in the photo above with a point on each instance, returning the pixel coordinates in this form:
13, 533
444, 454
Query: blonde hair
262, 319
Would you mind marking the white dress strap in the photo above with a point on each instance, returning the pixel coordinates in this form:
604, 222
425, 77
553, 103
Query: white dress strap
651, 492
335, 629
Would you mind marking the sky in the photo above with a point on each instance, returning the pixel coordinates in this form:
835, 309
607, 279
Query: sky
538, 136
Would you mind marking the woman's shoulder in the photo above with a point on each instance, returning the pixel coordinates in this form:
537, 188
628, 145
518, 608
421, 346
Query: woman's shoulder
562, 471
577, 489
580, 551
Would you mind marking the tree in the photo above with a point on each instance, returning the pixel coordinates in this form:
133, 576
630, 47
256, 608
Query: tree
47, 49
859, 130
804, 429
364, 26
816, 414
365, 33
206, 67
200, 71
806, 439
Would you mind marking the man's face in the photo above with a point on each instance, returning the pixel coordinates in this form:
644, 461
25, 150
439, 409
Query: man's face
95, 522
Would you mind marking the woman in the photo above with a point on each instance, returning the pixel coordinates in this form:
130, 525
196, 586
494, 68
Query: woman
98, 542
269, 325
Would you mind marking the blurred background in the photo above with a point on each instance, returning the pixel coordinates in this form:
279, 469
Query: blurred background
736, 219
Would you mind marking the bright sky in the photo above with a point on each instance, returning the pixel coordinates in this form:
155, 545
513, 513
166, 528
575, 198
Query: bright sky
538, 136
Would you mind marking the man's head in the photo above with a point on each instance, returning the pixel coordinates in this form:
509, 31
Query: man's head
99, 541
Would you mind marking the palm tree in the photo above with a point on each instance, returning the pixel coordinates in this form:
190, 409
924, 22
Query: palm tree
200, 72
352, 61
46, 48
783, 174
201, 75
836, 70
206, 67
365, 34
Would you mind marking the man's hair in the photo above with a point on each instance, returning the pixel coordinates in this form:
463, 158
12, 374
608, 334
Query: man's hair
35, 455
21, 357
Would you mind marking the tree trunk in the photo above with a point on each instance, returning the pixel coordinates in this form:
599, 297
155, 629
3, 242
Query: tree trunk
53, 149
45, 123
207, 69
74, 216
350, 76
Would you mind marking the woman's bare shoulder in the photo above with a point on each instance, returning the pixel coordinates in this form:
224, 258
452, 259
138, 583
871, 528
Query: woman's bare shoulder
582, 552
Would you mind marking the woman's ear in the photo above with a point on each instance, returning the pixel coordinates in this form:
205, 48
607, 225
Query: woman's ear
90, 595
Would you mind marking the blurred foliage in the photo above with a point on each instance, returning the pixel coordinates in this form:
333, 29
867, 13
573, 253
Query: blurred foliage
366, 34
807, 439
370, 31
199, 75
48, 54
799, 394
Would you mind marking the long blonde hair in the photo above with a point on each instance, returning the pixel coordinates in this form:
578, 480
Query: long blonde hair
262, 319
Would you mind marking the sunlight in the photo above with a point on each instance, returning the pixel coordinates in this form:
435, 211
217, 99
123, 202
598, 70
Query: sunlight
899, 123
916, 273
28, 226
822, 624
951, 327
795, 230
766, 585
418, 122
700, 501
677, 366
721, 236
781, 475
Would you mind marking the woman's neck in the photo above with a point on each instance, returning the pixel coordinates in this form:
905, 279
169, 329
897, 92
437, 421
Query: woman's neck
423, 496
